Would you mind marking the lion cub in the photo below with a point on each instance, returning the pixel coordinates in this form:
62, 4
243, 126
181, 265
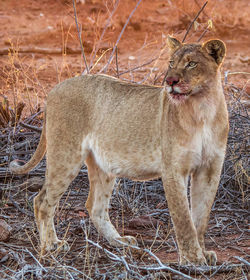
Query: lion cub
140, 132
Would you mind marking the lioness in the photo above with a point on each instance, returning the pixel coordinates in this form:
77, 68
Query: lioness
140, 132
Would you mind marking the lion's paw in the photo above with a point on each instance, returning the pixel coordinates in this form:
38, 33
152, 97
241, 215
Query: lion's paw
194, 258
126, 240
211, 257
59, 245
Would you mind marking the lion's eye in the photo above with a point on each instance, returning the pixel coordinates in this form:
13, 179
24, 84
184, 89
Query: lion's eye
191, 64
171, 64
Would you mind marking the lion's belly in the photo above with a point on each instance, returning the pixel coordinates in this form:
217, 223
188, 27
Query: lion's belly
138, 163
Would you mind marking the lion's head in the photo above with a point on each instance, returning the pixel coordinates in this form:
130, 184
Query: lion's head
192, 68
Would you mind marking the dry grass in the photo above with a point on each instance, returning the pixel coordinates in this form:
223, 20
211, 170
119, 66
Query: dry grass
20, 82
90, 257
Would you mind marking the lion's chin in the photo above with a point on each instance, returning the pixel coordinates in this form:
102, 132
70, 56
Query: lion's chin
178, 98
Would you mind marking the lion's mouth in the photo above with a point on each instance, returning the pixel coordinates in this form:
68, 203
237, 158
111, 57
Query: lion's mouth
177, 94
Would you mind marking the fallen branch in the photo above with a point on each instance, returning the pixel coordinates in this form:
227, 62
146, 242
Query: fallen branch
194, 270
40, 50
161, 266
31, 127
225, 267
191, 24
242, 261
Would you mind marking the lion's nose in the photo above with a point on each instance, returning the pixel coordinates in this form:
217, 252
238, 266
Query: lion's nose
172, 80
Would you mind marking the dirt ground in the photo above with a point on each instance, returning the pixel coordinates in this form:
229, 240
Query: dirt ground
39, 47
46, 32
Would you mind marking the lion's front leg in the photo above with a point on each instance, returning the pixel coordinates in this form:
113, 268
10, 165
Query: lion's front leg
204, 185
187, 239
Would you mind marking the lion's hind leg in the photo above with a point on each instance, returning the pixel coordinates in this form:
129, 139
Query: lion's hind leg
60, 172
44, 214
101, 187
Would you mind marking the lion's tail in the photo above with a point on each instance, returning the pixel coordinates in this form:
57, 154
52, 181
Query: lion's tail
17, 167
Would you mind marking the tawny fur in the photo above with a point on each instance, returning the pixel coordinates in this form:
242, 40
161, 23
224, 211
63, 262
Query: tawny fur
141, 132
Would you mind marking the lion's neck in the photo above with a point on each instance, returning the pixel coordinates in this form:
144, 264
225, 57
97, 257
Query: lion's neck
199, 109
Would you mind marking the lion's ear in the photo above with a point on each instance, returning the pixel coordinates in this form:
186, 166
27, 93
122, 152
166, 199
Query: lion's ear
215, 48
173, 43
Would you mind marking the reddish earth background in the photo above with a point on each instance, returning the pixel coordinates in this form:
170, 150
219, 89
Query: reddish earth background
39, 47
48, 26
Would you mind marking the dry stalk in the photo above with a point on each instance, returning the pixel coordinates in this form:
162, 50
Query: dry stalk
9, 116
191, 24
72, 265
116, 62
103, 32
104, 69
203, 34
80, 37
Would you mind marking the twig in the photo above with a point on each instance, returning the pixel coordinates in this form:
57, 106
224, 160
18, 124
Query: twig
104, 69
227, 73
44, 269
234, 73
196, 2
33, 116
31, 127
165, 76
165, 267
242, 260
160, 267
203, 34
112, 256
116, 61
65, 267
139, 66
191, 24
80, 38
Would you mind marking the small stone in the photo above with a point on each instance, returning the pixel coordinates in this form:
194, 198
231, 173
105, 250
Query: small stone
5, 231
34, 184
3, 255
144, 222
131, 57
